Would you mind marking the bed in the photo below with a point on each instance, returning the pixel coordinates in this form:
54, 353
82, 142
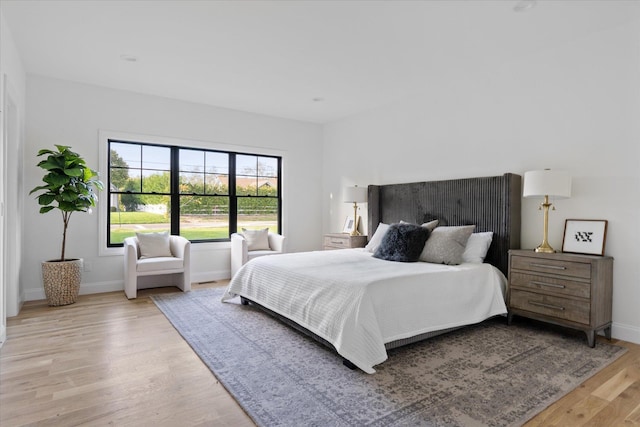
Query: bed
361, 305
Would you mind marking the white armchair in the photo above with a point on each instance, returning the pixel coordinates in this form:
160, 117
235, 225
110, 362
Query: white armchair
178, 266
240, 253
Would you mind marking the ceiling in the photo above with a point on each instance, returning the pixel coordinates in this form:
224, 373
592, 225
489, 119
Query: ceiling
315, 61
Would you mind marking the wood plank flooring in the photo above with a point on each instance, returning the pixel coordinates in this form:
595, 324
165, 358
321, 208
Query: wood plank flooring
106, 360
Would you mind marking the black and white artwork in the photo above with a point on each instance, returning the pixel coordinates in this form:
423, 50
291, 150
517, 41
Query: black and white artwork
350, 224
584, 236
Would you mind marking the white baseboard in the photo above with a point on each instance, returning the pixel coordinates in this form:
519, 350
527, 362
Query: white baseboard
625, 332
210, 276
85, 289
118, 285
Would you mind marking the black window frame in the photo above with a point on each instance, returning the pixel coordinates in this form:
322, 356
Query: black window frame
174, 194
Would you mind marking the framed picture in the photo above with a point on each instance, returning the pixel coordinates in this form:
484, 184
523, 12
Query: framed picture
584, 236
350, 224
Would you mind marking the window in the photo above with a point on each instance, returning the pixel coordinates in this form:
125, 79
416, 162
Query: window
203, 195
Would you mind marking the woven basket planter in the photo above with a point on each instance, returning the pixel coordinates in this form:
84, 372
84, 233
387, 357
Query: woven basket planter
61, 281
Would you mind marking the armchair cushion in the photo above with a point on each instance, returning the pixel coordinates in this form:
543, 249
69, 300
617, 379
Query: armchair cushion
159, 263
257, 240
153, 245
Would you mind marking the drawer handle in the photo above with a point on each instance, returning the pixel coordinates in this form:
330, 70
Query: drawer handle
550, 285
540, 304
554, 267
337, 242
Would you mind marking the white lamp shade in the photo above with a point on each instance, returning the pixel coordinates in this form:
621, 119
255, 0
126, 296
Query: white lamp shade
547, 182
355, 194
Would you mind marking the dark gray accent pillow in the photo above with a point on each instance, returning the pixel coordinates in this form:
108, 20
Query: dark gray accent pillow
402, 243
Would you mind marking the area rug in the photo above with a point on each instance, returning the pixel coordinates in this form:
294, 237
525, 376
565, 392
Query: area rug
488, 374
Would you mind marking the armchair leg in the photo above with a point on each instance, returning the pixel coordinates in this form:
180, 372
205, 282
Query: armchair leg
131, 289
185, 282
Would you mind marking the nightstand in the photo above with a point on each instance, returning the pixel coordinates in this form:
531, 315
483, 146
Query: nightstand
343, 241
569, 290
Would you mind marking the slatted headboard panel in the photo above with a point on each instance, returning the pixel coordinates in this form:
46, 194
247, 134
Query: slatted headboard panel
491, 203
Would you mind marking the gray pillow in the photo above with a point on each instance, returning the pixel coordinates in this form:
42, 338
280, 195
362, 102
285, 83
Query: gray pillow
153, 245
257, 240
431, 225
446, 244
402, 243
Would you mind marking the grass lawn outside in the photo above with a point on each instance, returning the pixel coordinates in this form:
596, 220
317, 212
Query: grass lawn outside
137, 218
196, 233
127, 224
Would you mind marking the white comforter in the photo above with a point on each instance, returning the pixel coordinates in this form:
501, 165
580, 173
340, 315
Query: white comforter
358, 302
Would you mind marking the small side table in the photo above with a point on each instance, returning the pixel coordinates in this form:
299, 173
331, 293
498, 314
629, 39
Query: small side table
343, 241
569, 290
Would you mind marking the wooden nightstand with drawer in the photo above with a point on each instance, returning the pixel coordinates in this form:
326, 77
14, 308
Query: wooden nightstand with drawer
343, 241
564, 289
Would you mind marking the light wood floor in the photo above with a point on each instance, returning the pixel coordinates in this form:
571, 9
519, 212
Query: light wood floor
108, 361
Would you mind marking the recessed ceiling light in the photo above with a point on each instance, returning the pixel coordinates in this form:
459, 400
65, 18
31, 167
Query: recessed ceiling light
524, 5
129, 58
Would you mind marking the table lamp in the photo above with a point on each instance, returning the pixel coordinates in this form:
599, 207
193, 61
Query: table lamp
355, 195
546, 183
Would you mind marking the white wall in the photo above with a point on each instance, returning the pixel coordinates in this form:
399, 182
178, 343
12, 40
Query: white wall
575, 107
12, 103
60, 112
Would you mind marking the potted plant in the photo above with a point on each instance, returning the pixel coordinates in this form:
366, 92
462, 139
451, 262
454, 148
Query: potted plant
69, 186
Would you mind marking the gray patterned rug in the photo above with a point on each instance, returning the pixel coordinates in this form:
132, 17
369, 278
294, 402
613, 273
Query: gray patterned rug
488, 374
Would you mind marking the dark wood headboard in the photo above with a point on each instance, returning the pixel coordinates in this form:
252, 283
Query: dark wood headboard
491, 203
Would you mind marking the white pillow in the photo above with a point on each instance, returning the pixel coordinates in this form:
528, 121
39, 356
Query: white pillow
477, 247
257, 240
376, 239
446, 245
153, 245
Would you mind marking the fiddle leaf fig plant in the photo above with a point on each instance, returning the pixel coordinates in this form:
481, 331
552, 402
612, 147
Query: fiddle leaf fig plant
69, 186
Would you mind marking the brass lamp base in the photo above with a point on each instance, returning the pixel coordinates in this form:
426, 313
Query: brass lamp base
355, 231
545, 248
